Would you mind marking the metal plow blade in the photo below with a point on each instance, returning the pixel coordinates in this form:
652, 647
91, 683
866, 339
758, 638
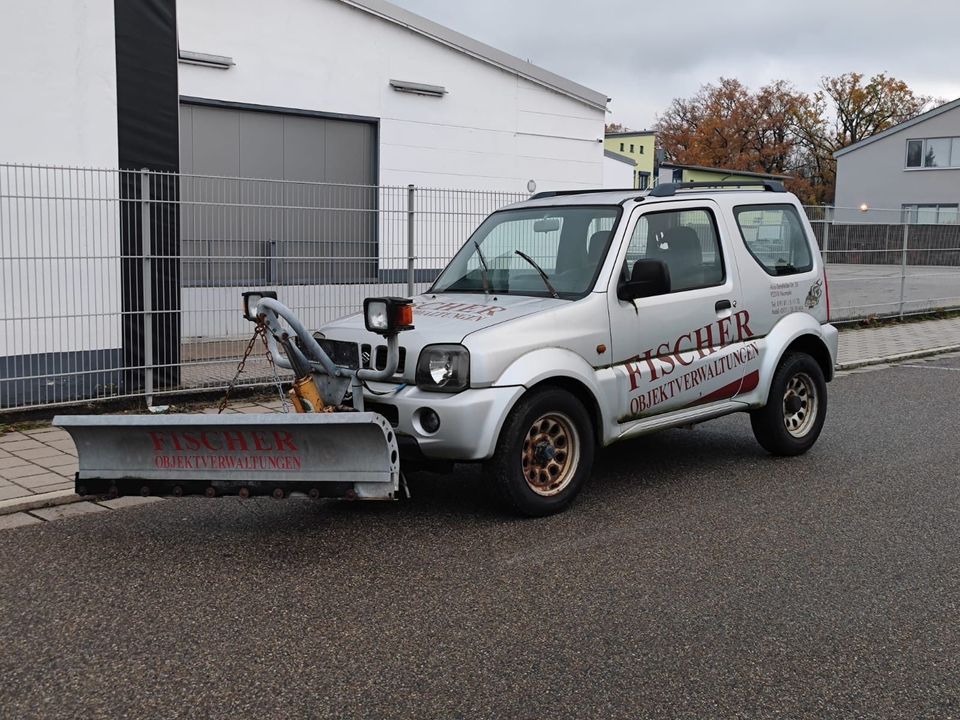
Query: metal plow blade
350, 454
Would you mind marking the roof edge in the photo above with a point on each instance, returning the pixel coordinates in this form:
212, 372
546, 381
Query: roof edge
619, 158
481, 51
922, 117
728, 171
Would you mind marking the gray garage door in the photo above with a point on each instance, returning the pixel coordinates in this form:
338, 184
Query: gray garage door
316, 225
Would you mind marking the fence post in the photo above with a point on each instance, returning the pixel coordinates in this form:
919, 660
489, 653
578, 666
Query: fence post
903, 264
827, 220
411, 190
147, 284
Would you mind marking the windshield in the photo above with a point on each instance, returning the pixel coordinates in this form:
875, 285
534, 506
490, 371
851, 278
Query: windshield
564, 247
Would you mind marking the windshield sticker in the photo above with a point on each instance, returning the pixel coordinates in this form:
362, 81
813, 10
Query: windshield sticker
458, 311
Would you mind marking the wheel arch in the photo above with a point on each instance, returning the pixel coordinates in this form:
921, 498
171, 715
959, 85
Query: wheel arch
583, 395
815, 347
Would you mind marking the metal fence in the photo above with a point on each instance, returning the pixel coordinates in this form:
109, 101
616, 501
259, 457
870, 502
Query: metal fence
879, 265
127, 283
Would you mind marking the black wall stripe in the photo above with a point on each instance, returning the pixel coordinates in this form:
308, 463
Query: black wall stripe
149, 137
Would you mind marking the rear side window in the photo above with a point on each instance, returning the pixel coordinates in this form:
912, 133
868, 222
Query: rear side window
775, 237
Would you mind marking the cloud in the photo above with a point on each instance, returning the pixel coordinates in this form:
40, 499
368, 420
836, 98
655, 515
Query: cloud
644, 54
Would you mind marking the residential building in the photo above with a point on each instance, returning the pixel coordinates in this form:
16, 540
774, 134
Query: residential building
640, 147
673, 172
912, 168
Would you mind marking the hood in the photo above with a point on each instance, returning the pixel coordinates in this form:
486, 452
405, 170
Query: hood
443, 318
450, 317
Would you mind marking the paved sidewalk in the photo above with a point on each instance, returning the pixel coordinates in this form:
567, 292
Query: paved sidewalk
37, 466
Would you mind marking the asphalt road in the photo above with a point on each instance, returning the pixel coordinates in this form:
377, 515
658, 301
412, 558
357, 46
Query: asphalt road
695, 577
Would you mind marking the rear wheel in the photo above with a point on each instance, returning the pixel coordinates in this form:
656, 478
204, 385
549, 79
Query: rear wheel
544, 453
792, 419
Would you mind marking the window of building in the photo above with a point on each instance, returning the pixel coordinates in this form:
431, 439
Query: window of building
933, 153
631, 147
644, 181
641, 149
621, 147
775, 237
931, 214
686, 240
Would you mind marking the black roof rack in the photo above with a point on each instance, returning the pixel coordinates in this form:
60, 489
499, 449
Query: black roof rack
590, 191
669, 189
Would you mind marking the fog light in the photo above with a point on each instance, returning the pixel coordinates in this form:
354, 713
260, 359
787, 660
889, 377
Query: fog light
429, 420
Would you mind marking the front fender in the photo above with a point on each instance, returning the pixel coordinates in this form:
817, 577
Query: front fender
548, 364
797, 327
539, 365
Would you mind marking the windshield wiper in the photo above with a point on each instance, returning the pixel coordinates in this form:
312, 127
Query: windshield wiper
546, 280
483, 269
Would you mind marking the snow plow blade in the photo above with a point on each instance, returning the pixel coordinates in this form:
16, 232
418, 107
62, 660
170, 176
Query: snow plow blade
344, 454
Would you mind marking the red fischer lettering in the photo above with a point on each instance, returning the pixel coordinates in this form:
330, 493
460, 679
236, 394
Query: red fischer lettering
260, 441
677, 353
284, 441
662, 351
235, 441
705, 345
743, 330
633, 372
157, 441
722, 324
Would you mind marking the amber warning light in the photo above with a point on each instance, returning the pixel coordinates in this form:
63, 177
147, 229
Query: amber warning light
387, 316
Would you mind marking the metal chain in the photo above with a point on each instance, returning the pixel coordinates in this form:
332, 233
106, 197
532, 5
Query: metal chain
276, 374
260, 332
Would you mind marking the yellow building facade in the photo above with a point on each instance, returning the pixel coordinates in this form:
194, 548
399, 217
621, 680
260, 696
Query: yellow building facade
638, 146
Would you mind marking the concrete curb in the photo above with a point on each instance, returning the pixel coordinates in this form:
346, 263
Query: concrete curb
899, 357
40, 500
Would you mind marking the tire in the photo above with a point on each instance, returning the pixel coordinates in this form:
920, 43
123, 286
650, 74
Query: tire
544, 453
791, 421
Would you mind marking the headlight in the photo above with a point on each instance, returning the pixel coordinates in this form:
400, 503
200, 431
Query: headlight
443, 368
388, 316
250, 300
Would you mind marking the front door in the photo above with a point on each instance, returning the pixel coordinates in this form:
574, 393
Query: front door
688, 347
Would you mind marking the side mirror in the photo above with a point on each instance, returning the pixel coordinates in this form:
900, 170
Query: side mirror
649, 278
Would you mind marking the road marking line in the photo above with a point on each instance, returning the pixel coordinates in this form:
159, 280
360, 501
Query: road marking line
931, 367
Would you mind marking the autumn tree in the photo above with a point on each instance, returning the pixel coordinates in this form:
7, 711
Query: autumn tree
846, 110
726, 125
780, 130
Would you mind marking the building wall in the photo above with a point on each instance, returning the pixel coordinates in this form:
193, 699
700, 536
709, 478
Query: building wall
58, 74
643, 153
493, 130
876, 174
617, 174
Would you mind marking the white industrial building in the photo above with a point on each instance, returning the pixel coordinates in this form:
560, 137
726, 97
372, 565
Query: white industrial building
356, 92
488, 120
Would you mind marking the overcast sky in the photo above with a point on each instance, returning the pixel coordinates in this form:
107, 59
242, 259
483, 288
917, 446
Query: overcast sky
643, 54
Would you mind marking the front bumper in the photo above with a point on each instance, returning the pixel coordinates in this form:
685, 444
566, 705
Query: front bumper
470, 421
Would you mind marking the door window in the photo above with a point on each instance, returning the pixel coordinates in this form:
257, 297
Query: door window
686, 240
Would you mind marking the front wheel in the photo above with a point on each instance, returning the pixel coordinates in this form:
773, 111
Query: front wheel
544, 453
791, 421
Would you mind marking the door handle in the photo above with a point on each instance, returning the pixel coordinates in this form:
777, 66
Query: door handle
723, 305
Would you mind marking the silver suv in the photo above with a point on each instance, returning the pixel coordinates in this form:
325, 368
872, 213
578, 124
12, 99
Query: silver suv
575, 320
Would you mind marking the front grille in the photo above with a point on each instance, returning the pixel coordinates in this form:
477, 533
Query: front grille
381, 359
343, 353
